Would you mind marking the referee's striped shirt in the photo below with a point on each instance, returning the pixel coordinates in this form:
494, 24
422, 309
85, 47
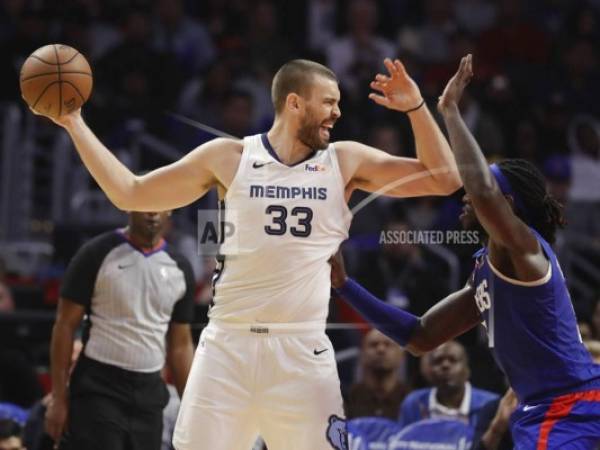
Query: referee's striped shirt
130, 296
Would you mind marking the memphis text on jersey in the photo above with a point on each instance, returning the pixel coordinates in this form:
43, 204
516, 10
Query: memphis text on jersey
293, 192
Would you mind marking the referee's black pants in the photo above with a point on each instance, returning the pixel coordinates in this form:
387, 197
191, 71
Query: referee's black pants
114, 409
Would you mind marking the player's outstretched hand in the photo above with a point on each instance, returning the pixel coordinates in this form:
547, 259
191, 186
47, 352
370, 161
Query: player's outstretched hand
455, 87
338, 270
64, 121
397, 90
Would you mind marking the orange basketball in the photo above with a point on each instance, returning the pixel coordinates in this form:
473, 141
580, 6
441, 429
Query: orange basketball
55, 80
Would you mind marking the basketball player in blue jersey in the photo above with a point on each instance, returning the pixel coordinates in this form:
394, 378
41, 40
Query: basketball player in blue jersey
264, 364
517, 289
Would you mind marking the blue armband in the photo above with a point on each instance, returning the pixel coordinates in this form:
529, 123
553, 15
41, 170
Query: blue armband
394, 322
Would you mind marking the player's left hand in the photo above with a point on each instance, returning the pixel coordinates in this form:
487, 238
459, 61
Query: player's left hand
456, 86
397, 90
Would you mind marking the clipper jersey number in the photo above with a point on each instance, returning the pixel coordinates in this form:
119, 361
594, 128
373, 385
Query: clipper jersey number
482, 297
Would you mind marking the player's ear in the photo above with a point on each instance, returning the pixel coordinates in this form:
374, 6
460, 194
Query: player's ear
510, 200
293, 102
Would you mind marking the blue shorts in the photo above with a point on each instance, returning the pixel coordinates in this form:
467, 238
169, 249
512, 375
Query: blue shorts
567, 422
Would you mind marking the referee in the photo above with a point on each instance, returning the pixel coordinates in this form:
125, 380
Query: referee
136, 293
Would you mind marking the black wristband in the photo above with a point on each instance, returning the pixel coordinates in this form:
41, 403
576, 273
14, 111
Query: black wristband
415, 108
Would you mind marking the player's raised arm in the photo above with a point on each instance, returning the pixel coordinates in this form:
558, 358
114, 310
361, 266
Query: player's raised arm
433, 172
168, 187
492, 208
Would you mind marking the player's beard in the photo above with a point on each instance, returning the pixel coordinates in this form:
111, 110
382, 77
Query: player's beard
309, 133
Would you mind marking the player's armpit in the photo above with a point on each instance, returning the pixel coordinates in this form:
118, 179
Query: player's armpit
184, 181
373, 170
450, 317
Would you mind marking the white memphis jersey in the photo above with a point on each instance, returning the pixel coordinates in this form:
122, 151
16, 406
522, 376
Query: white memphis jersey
287, 222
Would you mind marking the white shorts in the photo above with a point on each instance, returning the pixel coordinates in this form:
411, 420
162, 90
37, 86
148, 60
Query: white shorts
281, 384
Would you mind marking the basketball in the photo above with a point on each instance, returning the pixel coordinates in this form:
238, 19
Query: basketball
55, 80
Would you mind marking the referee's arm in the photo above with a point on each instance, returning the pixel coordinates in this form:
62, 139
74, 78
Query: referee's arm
180, 353
68, 319
76, 294
180, 347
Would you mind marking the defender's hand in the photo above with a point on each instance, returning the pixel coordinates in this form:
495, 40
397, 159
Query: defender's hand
338, 270
398, 90
452, 94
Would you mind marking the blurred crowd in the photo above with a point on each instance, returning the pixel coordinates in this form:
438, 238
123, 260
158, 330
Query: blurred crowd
534, 95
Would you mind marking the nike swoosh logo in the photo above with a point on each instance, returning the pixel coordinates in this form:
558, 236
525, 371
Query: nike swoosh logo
528, 407
319, 351
125, 266
257, 165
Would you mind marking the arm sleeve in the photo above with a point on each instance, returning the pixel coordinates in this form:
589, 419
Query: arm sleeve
80, 278
394, 322
183, 311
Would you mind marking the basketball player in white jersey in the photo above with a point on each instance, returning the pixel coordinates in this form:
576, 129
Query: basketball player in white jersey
264, 365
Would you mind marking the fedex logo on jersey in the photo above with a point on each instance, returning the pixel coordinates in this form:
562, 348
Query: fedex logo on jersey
315, 168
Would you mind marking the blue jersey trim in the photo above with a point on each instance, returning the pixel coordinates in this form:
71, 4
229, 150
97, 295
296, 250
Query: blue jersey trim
265, 141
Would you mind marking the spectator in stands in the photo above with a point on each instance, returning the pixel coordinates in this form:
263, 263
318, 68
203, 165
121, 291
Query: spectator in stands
2, 269
137, 292
19, 385
370, 218
402, 271
557, 170
236, 113
594, 349
585, 330
430, 40
483, 126
354, 56
596, 320
263, 42
475, 16
10, 435
128, 80
451, 396
7, 303
182, 36
492, 430
584, 143
380, 391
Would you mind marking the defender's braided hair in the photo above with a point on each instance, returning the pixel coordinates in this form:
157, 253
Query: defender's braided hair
543, 211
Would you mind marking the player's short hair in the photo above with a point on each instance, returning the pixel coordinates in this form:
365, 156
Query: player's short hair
296, 76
